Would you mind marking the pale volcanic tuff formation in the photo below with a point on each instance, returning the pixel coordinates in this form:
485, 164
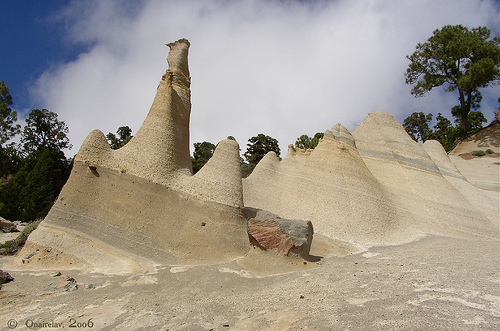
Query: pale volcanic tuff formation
419, 188
484, 139
137, 207
129, 209
376, 186
330, 185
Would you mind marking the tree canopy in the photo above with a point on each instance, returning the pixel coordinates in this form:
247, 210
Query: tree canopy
34, 171
201, 154
259, 146
29, 195
44, 130
8, 117
459, 59
124, 136
418, 127
306, 142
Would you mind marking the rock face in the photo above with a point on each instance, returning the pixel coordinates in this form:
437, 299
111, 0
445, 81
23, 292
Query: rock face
159, 151
487, 206
484, 139
416, 184
330, 185
374, 186
129, 209
282, 235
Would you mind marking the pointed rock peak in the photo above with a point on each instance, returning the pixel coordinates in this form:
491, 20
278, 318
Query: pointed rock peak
340, 133
220, 178
178, 56
269, 161
433, 145
380, 125
270, 157
328, 134
94, 147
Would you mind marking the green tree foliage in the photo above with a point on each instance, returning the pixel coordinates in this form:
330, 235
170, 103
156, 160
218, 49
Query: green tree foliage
315, 140
476, 120
303, 142
257, 148
417, 126
8, 117
29, 195
444, 132
459, 59
306, 142
42, 168
124, 136
44, 130
201, 154
9, 159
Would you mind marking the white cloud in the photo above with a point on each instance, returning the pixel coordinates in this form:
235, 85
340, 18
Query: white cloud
283, 68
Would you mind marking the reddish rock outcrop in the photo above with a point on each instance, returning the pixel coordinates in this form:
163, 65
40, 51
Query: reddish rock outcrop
281, 235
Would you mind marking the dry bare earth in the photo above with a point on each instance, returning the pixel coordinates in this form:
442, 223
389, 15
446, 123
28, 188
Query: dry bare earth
436, 283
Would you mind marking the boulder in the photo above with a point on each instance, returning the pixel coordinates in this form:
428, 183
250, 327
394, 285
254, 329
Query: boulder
7, 226
281, 235
5, 277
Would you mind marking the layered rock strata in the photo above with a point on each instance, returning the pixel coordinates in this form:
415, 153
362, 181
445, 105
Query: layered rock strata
330, 186
428, 201
132, 208
376, 186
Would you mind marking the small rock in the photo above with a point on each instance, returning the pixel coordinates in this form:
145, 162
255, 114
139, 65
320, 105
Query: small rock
62, 285
5, 277
7, 226
56, 274
302, 297
30, 255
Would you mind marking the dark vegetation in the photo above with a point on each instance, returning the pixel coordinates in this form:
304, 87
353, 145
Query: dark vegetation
124, 136
11, 247
34, 170
257, 147
462, 61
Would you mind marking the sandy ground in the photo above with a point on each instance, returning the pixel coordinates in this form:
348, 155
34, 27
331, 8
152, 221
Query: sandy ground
436, 283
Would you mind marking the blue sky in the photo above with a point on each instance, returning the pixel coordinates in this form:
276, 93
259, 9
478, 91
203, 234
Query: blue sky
282, 68
32, 41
